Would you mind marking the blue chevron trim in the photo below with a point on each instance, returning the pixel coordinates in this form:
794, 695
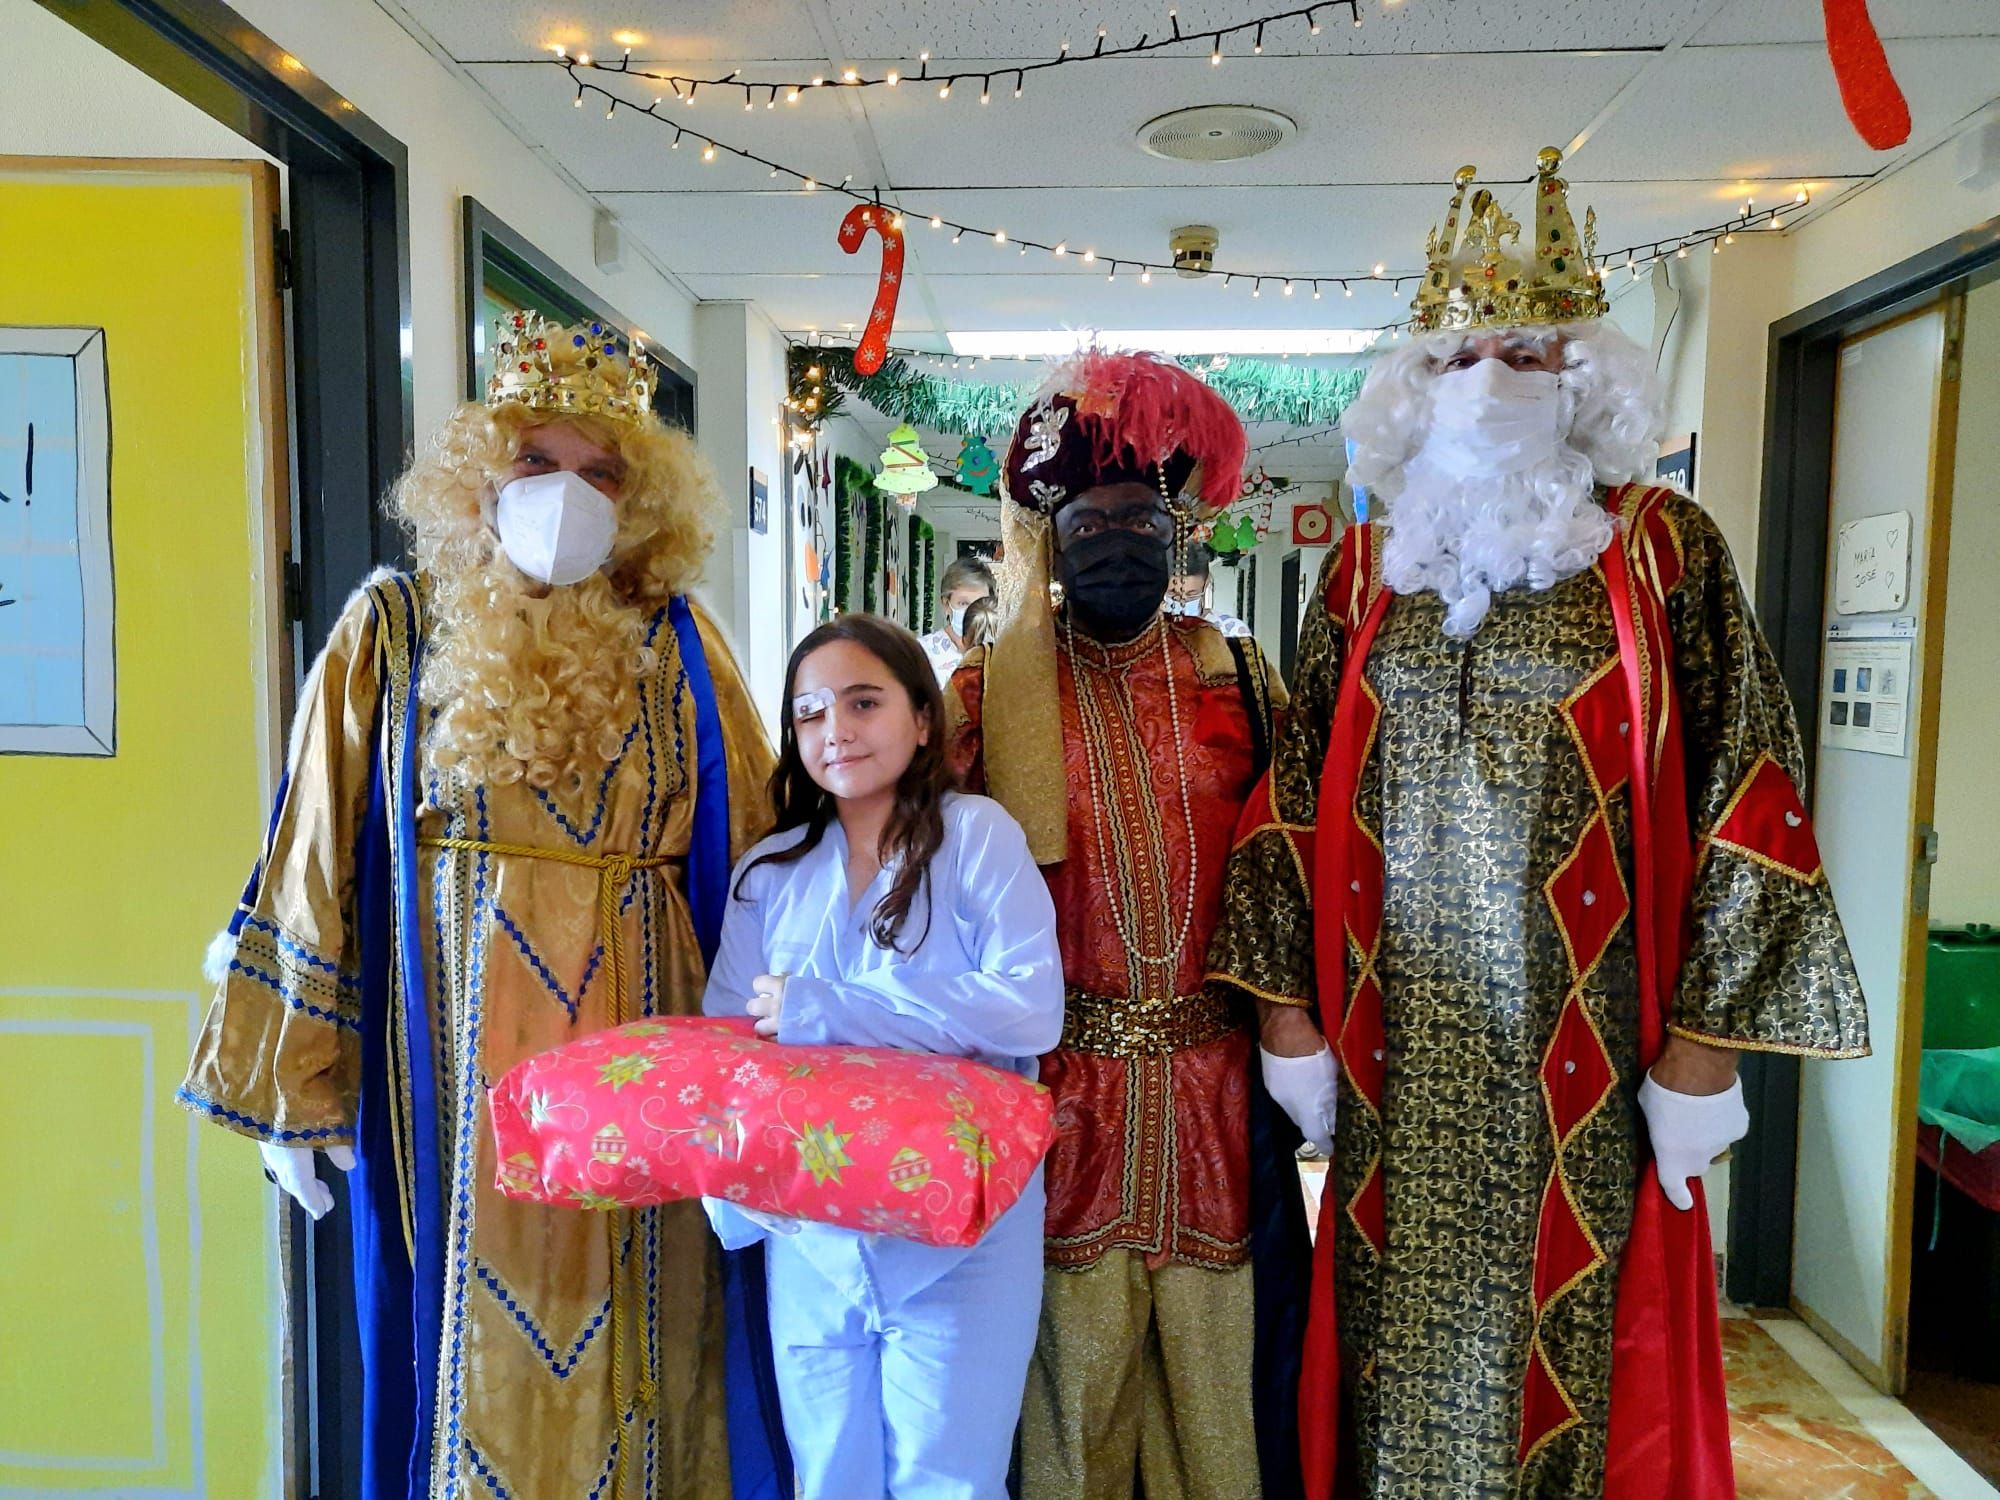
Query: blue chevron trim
187, 1098
292, 998
560, 1365
298, 952
534, 961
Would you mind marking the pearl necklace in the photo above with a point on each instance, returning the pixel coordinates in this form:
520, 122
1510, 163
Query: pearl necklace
1094, 744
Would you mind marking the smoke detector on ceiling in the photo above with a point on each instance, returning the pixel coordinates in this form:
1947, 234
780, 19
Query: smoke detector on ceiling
1193, 247
1216, 133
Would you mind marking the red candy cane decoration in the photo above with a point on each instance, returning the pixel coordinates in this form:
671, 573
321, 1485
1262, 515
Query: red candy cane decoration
882, 316
1867, 88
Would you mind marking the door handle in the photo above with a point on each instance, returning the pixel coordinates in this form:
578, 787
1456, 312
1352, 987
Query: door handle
1920, 869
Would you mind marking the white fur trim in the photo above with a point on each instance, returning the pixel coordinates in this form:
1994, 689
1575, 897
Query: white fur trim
221, 950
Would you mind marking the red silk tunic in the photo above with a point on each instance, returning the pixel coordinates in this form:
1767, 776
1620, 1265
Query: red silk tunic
1151, 1082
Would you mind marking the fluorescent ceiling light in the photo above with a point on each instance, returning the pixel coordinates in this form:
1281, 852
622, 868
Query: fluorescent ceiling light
1056, 342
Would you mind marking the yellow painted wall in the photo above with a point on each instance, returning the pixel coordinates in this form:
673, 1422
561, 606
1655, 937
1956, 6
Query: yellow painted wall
139, 1327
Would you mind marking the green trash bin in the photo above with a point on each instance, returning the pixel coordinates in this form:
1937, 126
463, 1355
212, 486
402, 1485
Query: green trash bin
1962, 988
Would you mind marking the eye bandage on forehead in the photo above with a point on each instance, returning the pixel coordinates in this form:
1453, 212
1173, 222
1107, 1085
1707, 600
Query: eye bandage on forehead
809, 706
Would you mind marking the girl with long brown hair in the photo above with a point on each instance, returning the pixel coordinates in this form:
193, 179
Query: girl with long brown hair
890, 910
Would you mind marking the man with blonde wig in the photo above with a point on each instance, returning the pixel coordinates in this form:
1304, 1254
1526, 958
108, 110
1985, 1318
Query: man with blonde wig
1530, 869
517, 781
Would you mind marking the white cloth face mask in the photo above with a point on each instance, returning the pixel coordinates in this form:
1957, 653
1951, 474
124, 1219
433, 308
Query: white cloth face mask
1189, 607
1490, 419
555, 527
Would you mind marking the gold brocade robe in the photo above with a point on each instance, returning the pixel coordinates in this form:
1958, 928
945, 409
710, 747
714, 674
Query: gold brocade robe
514, 964
1506, 959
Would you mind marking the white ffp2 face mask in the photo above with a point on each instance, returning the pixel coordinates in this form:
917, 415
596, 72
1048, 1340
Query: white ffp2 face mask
555, 527
1490, 419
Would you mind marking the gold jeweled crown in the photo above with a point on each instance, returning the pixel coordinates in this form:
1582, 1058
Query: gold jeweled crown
1476, 283
586, 370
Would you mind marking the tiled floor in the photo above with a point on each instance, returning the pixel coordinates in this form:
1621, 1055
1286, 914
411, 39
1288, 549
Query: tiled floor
1805, 1426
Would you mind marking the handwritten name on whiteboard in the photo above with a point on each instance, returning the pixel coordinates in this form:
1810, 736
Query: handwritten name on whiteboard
1872, 564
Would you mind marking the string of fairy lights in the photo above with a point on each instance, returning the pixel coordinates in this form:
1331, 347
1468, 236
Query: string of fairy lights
685, 86
1636, 258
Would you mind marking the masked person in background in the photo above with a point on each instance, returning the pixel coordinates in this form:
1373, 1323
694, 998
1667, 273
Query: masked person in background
517, 781
966, 581
1187, 591
1531, 856
1125, 741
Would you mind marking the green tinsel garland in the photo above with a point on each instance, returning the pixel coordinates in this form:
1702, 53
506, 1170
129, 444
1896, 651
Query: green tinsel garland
930, 599
1261, 390
871, 553
849, 480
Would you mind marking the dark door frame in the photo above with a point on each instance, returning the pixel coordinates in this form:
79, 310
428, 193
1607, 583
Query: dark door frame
345, 274
1791, 591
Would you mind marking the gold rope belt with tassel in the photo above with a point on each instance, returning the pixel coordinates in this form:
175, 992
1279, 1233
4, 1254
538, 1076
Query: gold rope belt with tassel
614, 871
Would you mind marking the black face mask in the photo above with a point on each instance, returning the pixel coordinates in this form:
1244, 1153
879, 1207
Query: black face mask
1114, 581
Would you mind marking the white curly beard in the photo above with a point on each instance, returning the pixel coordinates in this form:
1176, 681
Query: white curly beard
1466, 540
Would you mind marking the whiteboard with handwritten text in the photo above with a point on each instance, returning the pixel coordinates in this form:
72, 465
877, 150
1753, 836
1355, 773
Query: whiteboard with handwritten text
57, 671
1872, 563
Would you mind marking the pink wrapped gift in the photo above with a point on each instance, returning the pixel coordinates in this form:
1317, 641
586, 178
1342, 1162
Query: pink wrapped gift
929, 1148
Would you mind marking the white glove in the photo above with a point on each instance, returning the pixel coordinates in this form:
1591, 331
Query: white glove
1689, 1131
767, 999
291, 1167
1307, 1089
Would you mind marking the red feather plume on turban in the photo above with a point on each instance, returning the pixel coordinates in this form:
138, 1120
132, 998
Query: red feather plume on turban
1105, 418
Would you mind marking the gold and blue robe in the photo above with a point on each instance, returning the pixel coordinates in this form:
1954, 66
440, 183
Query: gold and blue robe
408, 936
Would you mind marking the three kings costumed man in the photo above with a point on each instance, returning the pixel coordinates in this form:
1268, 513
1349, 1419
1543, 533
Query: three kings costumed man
517, 781
1127, 743
1532, 856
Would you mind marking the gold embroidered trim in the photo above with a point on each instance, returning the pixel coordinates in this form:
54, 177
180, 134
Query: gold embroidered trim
1301, 1001
1783, 1049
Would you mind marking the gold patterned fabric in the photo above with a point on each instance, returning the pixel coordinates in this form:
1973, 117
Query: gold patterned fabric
514, 963
1506, 949
1141, 1369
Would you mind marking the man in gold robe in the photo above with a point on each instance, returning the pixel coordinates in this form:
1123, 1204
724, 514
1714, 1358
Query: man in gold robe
1126, 742
1532, 860
516, 783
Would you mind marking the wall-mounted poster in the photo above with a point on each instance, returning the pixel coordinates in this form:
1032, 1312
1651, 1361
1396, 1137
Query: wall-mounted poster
1865, 689
56, 640
760, 502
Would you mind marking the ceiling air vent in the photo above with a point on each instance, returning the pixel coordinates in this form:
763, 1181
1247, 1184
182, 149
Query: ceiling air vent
1215, 132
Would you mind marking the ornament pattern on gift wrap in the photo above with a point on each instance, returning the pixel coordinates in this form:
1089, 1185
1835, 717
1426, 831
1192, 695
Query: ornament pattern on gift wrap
924, 1147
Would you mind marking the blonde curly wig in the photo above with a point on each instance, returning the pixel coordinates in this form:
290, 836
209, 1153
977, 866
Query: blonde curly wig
532, 683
